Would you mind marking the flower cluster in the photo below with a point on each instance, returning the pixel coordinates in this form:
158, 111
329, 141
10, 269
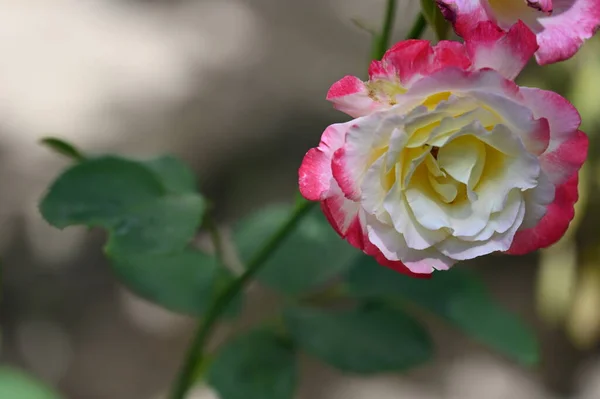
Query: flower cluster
447, 158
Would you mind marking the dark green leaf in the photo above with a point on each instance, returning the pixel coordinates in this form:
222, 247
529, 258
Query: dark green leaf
455, 295
163, 225
98, 192
151, 213
129, 200
311, 255
175, 176
368, 279
184, 282
500, 329
258, 365
369, 340
17, 385
62, 147
435, 18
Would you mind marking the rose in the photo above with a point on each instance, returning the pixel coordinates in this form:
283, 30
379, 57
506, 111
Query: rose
561, 26
448, 159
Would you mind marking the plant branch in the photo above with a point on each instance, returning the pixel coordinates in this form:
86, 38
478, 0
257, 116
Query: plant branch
382, 41
195, 353
215, 237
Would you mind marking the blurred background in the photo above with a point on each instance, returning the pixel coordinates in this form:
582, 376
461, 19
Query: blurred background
236, 88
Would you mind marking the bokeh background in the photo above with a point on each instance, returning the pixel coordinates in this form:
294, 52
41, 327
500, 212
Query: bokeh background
236, 88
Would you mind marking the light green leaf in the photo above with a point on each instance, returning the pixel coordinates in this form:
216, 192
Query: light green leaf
435, 19
258, 365
62, 147
457, 296
184, 282
368, 340
17, 385
311, 255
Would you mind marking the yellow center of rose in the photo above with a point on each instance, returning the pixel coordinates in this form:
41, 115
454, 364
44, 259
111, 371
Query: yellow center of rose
451, 165
446, 168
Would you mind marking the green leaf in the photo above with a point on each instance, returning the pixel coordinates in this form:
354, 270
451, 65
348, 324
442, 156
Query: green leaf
176, 176
435, 18
368, 279
163, 225
458, 297
151, 213
129, 200
17, 385
183, 282
497, 327
367, 340
98, 192
258, 365
311, 255
62, 147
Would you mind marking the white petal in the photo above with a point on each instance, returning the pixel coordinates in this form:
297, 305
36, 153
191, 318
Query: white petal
500, 221
415, 235
447, 191
458, 249
393, 246
463, 158
537, 201
373, 190
462, 218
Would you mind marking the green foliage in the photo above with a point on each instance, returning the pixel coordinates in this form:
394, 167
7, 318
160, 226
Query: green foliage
99, 192
365, 340
16, 385
62, 147
311, 255
151, 211
176, 177
456, 296
162, 225
183, 281
435, 19
258, 365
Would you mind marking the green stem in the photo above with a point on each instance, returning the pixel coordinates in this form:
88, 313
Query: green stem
382, 41
418, 27
195, 353
215, 237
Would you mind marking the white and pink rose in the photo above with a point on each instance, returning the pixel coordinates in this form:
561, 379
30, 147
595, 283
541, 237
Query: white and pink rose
447, 158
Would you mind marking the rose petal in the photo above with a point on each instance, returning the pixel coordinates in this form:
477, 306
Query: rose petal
553, 225
567, 148
350, 95
561, 33
508, 53
314, 176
